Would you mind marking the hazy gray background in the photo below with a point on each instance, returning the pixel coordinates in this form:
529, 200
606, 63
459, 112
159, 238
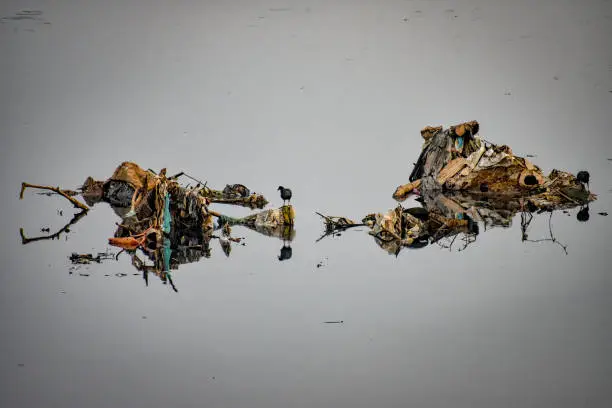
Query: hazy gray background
326, 97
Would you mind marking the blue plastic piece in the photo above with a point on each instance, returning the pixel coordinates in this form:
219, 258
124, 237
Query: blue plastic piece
459, 143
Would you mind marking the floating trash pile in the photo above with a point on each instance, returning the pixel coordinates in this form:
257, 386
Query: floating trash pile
461, 181
170, 223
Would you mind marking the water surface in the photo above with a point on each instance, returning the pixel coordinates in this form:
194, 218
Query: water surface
326, 98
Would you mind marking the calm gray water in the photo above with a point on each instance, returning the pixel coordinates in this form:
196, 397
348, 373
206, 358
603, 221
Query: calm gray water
327, 98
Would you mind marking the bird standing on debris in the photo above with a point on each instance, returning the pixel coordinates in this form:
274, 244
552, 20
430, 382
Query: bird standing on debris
285, 193
583, 177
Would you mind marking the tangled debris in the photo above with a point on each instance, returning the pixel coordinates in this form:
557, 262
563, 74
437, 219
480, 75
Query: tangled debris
169, 223
457, 159
463, 181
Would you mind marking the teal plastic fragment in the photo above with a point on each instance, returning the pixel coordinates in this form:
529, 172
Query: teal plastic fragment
167, 217
166, 253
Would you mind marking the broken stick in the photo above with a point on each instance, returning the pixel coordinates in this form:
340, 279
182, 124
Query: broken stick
63, 193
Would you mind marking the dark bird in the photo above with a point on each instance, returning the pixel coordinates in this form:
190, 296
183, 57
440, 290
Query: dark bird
583, 177
285, 193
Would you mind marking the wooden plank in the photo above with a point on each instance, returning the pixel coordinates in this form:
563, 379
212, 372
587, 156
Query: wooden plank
452, 168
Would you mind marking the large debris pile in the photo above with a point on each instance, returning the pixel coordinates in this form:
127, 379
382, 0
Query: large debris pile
457, 159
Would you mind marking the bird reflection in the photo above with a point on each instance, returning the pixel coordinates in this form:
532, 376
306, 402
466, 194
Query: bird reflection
285, 252
583, 214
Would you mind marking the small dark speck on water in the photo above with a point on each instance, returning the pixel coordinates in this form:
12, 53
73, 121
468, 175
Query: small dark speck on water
144, 317
556, 78
20, 365
83, 274
531, 155
605, 214
334, 322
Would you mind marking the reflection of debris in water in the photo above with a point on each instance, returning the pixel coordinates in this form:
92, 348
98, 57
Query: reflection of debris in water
34, 16
526, 219
89, 258
452, 220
